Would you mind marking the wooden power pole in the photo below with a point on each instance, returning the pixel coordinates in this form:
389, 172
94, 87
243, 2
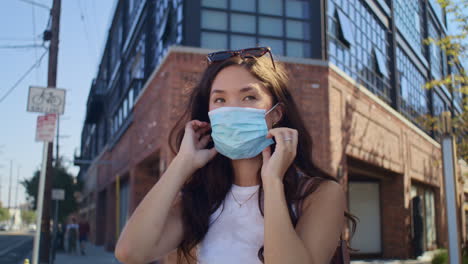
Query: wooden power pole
44, 256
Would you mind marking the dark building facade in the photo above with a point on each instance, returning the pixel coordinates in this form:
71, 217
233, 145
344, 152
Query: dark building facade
357, 68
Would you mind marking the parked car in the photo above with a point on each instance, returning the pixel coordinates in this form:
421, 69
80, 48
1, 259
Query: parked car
4, 227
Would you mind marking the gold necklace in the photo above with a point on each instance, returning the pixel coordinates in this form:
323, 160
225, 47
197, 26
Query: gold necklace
240, 204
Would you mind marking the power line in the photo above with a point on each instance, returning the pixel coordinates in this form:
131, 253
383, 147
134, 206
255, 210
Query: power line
21, 46
36, 4
37, 63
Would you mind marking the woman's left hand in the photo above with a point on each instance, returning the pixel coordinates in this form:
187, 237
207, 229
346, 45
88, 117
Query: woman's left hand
275, 166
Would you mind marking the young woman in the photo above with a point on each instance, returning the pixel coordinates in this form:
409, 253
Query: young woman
242, 187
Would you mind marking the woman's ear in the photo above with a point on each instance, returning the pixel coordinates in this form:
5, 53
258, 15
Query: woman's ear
276, 114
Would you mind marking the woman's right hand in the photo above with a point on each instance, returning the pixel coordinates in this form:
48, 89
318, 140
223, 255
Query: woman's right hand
193, 151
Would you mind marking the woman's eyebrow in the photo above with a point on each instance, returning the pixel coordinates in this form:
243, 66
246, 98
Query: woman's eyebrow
243, 90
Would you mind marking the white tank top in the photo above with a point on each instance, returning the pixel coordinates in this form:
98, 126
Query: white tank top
236, 232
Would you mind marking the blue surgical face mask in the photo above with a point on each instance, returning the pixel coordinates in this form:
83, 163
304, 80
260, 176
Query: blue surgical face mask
239, 132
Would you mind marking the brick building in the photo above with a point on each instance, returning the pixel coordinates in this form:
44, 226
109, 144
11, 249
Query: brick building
356, 71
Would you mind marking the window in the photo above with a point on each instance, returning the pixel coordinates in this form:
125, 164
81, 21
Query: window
346, 31
271, 7
297, 29
381, 63
413, 94
435, 53
270, 26
130, 98
423, 207
297, 49
214, 20
257, 22
297, 8
408, 21
214, 40
242, 23
358, 44
243, 5
215, 3
241, 42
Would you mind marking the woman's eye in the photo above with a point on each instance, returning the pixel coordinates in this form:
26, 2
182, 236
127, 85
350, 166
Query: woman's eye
249, 98
219, 100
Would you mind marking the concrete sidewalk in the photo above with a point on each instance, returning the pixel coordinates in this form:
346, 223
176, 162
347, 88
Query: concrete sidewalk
94, 254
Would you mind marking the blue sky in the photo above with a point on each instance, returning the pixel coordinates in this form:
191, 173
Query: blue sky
84, 26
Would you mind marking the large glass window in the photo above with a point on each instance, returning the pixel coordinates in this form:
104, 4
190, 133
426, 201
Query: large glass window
435, 53
358, 44
409, 22
413, 95
284, 25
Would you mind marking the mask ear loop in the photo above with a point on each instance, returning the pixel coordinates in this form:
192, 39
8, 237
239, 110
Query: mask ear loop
274, 124
271, 109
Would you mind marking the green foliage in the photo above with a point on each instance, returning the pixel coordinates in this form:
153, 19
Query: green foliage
62, 179
442, 258
29, 217
4, 214
455, 46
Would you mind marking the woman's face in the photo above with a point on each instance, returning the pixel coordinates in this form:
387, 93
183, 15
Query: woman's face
235, 86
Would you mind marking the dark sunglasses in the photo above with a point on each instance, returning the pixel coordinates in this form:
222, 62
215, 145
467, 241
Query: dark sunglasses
243, 53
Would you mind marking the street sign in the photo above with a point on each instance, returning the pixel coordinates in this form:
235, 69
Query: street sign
46, 100
58, 194
45, 129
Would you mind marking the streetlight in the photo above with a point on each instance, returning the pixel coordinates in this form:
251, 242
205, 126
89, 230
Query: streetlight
451, 192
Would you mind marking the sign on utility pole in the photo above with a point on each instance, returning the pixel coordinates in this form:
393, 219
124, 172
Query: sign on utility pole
45, 128
46, 100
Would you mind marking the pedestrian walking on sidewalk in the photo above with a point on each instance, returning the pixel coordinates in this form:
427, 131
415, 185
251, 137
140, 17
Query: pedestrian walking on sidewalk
242, 187
84, 231
72, 231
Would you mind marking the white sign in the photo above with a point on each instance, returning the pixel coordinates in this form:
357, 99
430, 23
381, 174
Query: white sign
46, 100
58, 194
45, 130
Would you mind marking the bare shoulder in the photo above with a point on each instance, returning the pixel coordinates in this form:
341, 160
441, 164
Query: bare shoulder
328, 192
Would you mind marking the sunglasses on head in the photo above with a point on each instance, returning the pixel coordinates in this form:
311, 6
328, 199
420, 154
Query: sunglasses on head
243, 53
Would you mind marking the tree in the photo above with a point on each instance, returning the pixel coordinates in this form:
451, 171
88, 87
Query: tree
4, 214
29, 217
455, 46
62, 179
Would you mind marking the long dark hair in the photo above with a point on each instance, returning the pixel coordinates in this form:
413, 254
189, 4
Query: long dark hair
206, 189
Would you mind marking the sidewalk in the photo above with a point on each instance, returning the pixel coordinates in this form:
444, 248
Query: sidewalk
94, 254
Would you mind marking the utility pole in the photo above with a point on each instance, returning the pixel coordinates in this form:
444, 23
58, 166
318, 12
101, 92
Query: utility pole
9, 187
45, 244
17, 184
57, 141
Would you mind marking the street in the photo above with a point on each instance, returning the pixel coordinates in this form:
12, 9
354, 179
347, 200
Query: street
15, 246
